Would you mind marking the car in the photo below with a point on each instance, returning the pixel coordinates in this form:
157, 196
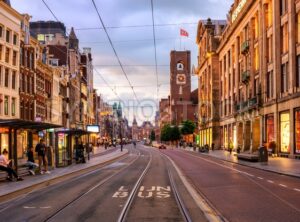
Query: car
162, 147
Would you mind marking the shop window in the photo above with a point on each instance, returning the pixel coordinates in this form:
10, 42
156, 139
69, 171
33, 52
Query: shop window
285, 132
270, 126
297, 131
6, 105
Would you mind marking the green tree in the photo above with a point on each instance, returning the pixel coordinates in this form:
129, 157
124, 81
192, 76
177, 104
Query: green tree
165, 133
152, 135
188, 127
175, 133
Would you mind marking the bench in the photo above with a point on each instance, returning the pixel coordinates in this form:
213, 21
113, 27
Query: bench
22, 171
248, 156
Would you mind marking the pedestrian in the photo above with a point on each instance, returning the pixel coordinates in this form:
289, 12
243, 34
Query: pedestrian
30, 161
5, 166
121, 146
41, 151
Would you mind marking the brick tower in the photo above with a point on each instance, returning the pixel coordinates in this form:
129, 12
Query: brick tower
180, 86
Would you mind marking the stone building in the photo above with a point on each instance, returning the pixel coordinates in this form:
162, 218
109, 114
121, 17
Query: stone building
208, 39
259, 75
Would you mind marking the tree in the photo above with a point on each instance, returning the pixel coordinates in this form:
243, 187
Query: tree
188, 127
152, 135
175, 133
165, 133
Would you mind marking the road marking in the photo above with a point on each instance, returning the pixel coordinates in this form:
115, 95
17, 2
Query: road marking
121, 193
282, 185
26, 207
297, 189
248, 174
270, 181
158, 191
260, 178
48, 207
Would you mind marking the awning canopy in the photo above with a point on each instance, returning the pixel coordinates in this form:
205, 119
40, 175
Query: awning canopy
73, 131
25, 124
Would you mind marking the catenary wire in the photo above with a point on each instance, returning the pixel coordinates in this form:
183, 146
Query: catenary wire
112, 45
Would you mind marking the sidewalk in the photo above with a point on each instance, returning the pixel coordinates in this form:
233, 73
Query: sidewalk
29, 181
280, 165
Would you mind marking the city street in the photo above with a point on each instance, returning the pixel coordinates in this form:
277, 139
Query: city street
136, 188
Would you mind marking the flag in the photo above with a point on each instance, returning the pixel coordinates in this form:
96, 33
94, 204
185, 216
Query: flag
184, 33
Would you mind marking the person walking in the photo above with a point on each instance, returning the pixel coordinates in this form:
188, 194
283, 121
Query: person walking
4, 166
41, 151
30, 161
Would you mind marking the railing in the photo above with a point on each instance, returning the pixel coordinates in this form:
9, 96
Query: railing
253, 102
246, 105
246, 77
245, 47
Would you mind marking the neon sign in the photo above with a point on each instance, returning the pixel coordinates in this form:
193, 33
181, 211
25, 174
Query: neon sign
238, 9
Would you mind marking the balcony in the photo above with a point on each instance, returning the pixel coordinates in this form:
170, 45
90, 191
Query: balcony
246, 77
245, 47
253, 102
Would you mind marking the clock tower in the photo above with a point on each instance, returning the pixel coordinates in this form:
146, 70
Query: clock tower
180, 85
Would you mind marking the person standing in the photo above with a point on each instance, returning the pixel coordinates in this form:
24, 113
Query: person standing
4, 166
41, 151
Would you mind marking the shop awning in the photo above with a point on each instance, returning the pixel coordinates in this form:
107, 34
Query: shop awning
25, 124
73, 131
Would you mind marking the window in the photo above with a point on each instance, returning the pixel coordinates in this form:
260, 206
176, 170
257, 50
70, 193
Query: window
31, 60
297, 131
13, 106
284, 38
270, 126
256, 59
13, 80
6, 105
1, 49
284, 77
21, 56
270, 86
269, 49
1, 76
7, 36
298, 27
283, 7
285, 132
7, 55
298, 72
14, 58
15, 39
6, 80
268, 15
1, 31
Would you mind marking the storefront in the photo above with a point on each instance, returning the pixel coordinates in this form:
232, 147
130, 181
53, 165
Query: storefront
270, 132
297, 132
285, 132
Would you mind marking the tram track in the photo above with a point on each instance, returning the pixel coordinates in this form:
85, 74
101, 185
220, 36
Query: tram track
102, 182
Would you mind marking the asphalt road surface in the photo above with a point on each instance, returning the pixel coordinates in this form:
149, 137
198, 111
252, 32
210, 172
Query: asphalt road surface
241, 193
138, 187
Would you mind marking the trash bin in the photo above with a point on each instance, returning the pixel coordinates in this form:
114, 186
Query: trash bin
263, 154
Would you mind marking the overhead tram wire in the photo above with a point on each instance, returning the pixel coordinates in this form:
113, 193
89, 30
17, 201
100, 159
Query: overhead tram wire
112, 45
155, 49
99, 74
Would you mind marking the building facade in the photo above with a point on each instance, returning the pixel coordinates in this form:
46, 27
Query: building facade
259, 77
208, 39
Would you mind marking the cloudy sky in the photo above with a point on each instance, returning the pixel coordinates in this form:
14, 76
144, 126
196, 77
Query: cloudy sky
129, 26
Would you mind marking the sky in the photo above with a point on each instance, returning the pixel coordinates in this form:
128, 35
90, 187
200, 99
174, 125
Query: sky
129, 26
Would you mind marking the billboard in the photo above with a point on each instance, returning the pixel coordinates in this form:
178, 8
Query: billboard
93, 128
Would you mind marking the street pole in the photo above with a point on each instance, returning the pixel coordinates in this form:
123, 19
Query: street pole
88, 147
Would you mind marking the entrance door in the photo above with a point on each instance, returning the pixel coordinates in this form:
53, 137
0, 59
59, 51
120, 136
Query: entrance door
255, 134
